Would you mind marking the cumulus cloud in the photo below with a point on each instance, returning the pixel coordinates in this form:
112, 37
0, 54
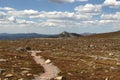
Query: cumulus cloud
2, 15
82, 15
64, 1
7, 8
12, 19
22, 21
110, 19
88, 8
115, 16
112, 3
23, 13
53, 14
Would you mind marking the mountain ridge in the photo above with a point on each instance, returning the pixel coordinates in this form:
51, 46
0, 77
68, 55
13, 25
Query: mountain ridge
14, 36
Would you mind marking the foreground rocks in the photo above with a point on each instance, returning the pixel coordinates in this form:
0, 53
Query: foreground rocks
23, 49
15, 66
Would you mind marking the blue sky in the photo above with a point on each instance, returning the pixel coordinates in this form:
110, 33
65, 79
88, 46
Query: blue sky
55, 16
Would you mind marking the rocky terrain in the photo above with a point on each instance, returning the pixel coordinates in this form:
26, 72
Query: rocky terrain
95, 57
17, 65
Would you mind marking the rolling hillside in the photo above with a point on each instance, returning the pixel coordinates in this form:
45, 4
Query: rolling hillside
106, 35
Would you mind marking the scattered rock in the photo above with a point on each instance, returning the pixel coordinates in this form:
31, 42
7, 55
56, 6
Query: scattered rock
60, 78
111, 54
107, 78
8, 75
26, 68
20, 49
118, 63
70, 74
91, 46
24, 72
29, 74
21, 79
27, 48
3, 60
48, 61
5, 79
2, 71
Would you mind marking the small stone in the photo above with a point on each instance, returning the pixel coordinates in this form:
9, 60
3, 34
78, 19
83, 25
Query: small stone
2, 71
5, 79
118, 64
60, 78
21, 79
3, 60
26, 68
29, 74
70, 74
8, 75
107, 78
48, 61
91, 46
111, 54
28, 48
24, 72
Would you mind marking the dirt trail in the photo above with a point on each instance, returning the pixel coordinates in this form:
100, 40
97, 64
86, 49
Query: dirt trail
51, 71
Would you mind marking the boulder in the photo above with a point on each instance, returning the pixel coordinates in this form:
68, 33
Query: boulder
27, 48
23, 49
20, 49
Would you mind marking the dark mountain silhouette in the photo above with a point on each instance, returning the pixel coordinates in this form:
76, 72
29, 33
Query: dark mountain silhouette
68, 35
5, 36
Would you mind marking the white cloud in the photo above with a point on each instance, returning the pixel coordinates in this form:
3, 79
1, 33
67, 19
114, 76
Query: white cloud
82, 16
23, 13
22, 21
53, 14
112, 3
64, 1
109, 21
2, 15
7, 8
115, 16
60, 15
30, 12
88, 8
12, 19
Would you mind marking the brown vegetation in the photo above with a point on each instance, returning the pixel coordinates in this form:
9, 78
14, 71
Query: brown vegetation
86, 58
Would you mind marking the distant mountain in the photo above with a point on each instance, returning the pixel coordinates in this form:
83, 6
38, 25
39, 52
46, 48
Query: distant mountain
5, 36
68, 35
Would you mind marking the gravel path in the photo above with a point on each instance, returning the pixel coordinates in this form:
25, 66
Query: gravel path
51, 71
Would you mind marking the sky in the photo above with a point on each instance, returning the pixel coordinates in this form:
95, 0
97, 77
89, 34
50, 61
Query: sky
56, 16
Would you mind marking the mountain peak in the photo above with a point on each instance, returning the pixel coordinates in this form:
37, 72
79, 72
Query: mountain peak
66, 34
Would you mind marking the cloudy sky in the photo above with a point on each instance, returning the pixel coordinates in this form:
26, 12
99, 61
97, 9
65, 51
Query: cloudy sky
55, 16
